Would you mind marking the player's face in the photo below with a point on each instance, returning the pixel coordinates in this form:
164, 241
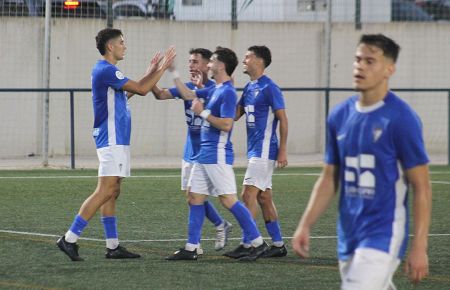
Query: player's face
198, 63
118, 48
370, 68
250, 62
214, 65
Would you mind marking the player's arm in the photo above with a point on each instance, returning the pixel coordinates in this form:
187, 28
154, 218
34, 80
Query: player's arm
282, 150
161, 94
223, 124
321, 197
152, 75
416, 265
239, 112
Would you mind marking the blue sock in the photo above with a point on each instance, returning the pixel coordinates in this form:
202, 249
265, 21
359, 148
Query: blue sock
212, 214
273, 228
110, 227
196, 218
78, 225
246, 221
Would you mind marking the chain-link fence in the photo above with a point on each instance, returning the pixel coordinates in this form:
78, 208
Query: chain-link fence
358, 11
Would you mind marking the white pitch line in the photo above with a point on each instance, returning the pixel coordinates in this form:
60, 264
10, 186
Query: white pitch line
169, 240
136, 176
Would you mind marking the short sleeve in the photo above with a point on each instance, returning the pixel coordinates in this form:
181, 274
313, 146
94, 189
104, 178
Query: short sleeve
408, 140
276, 99
228, 107
113, 77
331, 148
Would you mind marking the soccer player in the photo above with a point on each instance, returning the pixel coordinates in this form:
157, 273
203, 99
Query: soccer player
112, 129
263, 104
198, 63
212, 174
374, 150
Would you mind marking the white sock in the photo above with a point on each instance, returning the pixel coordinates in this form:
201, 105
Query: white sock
71, 237
257, 242
191, 247
112, 243
278, 244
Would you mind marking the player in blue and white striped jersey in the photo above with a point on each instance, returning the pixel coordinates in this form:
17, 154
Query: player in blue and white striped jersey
112, 129
213, 173
263, 104
198, 69
374, 151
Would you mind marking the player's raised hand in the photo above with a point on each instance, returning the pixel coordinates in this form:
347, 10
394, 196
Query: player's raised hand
197, 78
168, 58
197, 106
300, 241
154, 63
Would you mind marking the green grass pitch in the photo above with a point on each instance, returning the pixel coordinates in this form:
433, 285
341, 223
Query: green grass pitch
36, 206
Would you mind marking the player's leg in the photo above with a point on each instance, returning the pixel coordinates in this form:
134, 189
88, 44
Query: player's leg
224, 186
109, 221
200, 186
369, 269
223, 227
270, 214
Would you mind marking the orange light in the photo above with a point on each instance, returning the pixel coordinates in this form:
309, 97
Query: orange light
73, 4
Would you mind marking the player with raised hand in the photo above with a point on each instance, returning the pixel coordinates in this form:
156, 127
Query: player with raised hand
198, 69
374, 151
212, 174
112, 130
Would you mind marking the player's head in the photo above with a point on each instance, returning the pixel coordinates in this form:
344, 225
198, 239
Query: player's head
374, 62
256, 59
199, 59
110, 40
223, 59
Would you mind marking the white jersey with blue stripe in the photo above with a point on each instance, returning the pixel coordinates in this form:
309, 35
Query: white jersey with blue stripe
260, 99
372, 147
112, 117
216, 146
193, 122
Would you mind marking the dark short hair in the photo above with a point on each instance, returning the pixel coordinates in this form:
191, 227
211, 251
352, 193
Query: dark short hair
389, 47
205, 53
104, 36
228, 57
262, 51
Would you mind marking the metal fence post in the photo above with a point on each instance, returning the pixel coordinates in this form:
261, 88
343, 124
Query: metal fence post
72, 131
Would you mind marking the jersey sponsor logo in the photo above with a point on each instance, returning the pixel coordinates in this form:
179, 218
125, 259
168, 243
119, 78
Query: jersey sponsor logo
95, 132
249, 111
359, 177
119, 75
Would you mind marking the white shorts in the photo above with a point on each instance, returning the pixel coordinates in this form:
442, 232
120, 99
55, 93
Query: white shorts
259, 173
212, 179
114, 161
186, 169
368, 269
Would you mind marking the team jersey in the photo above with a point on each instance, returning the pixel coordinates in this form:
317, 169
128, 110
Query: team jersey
193, 122
112, 118
215, 146
260, 99
372, 147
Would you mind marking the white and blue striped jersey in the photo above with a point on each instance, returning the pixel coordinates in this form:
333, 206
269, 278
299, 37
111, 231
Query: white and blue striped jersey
216, 146
372, 147
260, 99
112, 117
194, 123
